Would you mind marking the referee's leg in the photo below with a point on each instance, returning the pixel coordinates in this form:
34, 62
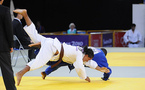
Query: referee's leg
7, 72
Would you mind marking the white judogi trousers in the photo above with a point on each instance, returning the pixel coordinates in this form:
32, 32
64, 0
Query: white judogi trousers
49, 47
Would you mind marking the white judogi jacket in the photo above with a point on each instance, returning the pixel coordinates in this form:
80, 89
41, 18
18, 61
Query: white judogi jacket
132, 36
49, 47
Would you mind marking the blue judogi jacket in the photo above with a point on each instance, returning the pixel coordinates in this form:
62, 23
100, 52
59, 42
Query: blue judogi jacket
100, 58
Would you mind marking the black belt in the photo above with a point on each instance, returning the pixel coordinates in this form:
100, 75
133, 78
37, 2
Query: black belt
133, 43
60, 57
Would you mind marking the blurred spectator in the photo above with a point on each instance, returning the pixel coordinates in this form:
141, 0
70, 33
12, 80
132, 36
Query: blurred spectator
22, 35
132, 37
39, 27
72, 29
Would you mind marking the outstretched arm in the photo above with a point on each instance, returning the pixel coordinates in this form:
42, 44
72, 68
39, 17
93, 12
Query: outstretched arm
35, 45
92, 64
79, 67
102, 69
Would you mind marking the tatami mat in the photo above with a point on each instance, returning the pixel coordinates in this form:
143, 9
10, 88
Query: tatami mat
117, 59
74, 83
126, 59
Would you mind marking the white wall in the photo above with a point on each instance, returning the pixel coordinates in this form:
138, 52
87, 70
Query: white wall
138, 17
12, 8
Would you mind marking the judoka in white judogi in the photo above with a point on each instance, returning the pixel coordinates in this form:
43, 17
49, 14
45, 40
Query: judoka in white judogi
48, 48
132, 37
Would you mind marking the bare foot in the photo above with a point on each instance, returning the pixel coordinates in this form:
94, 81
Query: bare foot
19, 77
88, 79
43, 75
20, 11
